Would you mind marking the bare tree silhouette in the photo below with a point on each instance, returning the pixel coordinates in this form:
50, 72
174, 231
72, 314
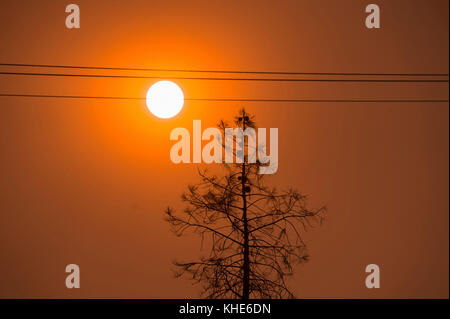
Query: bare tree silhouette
253, 232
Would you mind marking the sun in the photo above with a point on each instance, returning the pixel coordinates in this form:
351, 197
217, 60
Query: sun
165, 99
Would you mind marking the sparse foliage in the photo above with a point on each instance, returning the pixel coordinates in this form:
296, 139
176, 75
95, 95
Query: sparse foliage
253, 232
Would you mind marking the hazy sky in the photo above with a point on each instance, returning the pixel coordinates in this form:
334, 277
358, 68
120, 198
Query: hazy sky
87, 181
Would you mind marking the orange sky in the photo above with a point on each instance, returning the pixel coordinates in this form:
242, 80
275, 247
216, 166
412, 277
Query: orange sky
86, 181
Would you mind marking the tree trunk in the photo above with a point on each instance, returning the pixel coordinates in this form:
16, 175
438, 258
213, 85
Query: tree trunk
246, 279
246, 265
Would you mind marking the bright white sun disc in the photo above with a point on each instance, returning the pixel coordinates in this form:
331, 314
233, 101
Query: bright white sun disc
165, 99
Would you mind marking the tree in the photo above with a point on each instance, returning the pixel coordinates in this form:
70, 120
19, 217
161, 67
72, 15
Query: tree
253, 232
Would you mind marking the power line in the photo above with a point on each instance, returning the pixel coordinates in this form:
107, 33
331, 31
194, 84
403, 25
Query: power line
234, 100
217, 71
226, 79
316, 100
